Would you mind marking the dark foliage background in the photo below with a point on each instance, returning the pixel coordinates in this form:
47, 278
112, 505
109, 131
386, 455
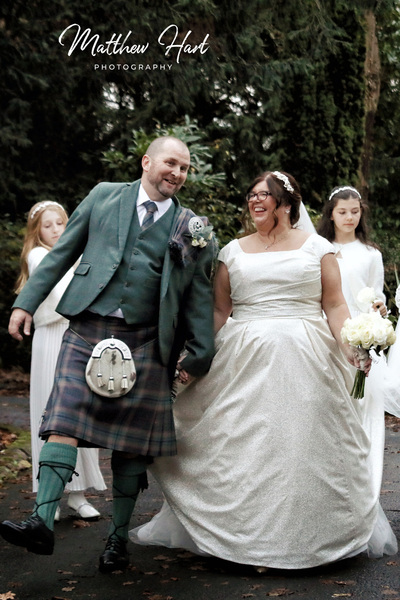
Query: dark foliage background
312, 89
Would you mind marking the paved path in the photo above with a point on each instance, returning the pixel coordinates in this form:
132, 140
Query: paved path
161, 574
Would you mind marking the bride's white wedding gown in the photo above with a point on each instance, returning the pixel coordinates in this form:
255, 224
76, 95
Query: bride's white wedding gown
273, 461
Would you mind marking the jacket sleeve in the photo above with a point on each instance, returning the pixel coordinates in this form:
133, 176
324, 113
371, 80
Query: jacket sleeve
197, 316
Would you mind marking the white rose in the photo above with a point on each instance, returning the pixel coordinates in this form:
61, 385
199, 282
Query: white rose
366, 296
366, 333
350, 332
195, 242
380, 336
202, 242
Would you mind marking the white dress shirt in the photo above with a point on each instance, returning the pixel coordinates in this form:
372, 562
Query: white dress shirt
162, 206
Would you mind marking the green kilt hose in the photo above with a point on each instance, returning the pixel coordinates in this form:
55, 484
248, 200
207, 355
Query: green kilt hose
140, 422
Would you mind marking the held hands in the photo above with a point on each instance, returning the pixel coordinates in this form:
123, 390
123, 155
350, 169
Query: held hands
181, 375
19, 318
184, 377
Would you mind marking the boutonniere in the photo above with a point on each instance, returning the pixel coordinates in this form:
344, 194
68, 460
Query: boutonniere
201, 234
187, 239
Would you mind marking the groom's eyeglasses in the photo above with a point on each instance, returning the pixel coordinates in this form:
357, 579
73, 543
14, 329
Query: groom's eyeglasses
252, 196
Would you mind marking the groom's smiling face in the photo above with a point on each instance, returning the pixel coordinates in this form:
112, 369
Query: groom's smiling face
165, 171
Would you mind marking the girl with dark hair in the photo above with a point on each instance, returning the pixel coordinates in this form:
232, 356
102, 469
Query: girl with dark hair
344, 223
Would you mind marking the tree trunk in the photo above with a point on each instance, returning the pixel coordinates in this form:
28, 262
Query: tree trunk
372, 70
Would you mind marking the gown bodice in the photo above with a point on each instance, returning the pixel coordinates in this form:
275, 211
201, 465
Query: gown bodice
276, 284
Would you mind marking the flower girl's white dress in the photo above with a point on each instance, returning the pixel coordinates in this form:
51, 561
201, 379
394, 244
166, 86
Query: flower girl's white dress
385, 380
272, 466
49, 330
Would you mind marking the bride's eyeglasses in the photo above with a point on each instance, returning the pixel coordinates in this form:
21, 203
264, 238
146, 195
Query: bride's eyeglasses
252, 196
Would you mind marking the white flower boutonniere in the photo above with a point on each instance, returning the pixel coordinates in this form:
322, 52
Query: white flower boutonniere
201, 234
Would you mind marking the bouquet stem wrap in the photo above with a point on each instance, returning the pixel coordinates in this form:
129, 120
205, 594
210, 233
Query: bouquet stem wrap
359, 380
365, 332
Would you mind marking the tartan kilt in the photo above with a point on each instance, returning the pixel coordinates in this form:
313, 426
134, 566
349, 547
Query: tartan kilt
140, 422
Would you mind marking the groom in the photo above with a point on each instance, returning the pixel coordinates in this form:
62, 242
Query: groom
139, 279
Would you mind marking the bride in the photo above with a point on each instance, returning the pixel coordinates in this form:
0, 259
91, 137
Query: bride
272, 464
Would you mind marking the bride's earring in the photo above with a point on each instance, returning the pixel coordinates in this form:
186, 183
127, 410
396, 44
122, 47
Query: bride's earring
287, 211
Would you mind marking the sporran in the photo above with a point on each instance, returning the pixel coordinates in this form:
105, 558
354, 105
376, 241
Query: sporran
111, 371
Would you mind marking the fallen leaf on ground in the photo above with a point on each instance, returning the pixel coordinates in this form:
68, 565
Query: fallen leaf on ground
7, 596
198, 568
80, 523
279, 592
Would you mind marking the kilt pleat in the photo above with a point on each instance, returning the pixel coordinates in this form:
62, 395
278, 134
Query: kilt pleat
140, 422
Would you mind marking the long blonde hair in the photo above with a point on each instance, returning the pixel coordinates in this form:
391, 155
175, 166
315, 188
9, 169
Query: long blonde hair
32, 236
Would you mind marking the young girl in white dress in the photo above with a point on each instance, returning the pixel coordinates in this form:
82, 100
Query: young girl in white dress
46, 222
391, 387
344, 223
384, 380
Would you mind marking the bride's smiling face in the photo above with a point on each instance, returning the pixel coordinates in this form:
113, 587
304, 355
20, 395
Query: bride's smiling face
261, 203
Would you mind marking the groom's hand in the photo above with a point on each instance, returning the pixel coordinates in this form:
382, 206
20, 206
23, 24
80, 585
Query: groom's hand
19, 318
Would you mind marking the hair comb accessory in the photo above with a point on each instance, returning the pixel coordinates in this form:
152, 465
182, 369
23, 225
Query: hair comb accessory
44, 205
345, 188
286, 183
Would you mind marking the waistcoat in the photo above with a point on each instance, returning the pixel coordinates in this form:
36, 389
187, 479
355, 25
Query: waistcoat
135, 286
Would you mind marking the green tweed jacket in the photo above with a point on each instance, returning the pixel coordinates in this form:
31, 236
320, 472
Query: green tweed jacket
97, 232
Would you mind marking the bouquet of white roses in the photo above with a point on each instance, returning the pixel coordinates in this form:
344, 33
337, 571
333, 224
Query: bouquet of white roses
365, 332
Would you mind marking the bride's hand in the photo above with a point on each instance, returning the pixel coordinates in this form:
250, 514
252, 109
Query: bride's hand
353, 357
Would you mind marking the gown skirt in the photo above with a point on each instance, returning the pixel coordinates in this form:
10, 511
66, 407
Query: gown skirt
273, 459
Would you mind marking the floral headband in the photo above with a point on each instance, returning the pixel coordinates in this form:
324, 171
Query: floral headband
45, 204
286, 183
345, 188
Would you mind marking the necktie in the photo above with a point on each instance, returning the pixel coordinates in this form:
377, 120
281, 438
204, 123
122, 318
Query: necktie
151, 208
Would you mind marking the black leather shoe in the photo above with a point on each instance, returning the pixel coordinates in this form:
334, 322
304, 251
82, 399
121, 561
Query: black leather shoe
33, 534
115, 556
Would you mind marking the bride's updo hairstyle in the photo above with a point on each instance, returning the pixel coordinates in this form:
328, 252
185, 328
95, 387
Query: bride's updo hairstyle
286, 192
